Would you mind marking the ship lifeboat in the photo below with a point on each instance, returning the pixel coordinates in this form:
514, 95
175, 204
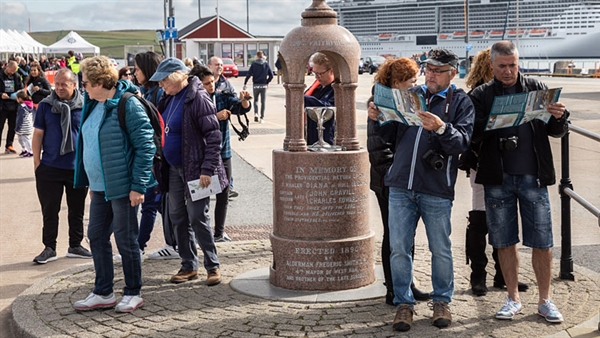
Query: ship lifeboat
458, 35
444, 37
496, 34
537, 33
477, 34
385, 36
513, 33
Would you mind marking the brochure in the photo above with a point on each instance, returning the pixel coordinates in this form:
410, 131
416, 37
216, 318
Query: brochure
516, 109
197, 192
398, 105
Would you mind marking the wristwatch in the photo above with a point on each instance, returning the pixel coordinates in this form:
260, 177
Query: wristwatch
441, 129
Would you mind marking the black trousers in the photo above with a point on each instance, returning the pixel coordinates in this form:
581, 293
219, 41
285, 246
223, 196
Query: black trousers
11, 116
50, 183
222, 202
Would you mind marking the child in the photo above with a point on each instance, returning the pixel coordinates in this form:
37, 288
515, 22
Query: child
24, 124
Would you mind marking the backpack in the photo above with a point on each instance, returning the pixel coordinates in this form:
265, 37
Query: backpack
155, 119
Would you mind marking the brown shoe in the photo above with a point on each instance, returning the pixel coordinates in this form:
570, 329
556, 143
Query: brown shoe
184, 275
213, 277
404, 318
441, 314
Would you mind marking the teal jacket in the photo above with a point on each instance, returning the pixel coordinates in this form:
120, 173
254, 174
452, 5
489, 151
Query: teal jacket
126, 157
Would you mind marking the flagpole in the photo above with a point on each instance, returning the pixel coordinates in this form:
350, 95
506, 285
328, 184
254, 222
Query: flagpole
218, 22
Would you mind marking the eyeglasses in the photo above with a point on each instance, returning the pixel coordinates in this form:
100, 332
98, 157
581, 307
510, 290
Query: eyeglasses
319, 74
436, 72
84, 84
128, 74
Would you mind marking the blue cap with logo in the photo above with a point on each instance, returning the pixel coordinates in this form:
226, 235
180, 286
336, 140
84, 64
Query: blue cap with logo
168, 66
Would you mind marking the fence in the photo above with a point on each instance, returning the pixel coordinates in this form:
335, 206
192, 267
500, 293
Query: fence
566, 194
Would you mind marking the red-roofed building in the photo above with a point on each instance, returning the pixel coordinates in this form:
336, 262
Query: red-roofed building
216, 36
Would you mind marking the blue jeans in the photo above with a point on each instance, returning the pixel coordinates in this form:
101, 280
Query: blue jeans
118, 216
405, 208
534, 206
151, 205
190, 219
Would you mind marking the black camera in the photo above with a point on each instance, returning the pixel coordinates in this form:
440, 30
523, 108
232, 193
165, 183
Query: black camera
434, 159
509, 143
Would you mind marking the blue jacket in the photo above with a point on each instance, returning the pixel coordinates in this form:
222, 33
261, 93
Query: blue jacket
409, 170
126, 156
260, 71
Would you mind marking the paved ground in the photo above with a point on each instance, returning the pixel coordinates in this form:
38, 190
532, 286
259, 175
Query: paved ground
41, 302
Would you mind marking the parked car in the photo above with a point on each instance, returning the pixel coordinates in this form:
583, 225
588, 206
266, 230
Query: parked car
230, 68
372, 63
361, 66
114, 63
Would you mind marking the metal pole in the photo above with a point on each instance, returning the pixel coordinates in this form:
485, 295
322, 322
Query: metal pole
199, 10
171, 40
517, 44
247, 17
467, 63
218, 22
566, 257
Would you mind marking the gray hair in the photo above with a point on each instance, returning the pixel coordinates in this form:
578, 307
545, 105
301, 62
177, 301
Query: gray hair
503, 48
67, 72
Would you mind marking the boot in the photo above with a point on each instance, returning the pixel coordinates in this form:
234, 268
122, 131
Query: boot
418, 294
475, 247
499, 278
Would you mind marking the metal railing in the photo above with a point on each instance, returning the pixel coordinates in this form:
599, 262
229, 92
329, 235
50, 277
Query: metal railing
566, 194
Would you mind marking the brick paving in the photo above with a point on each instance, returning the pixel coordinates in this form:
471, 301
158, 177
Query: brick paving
192, 309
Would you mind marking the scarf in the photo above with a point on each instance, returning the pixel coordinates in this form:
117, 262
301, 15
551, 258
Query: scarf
64, 108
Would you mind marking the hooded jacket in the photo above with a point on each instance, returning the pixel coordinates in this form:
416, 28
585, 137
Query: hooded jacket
260, 71
201, 137
126, 156
490, 168
409, 169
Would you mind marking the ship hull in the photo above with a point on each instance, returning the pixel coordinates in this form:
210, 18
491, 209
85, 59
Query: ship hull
579, 46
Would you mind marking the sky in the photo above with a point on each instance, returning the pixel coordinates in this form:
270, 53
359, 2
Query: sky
267, 17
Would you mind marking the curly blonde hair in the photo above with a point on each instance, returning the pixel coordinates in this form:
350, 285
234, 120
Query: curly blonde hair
396, 70
99, 70
481, 70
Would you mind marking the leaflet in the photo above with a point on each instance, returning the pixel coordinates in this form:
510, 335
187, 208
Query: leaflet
197, 192
516, 109
398, 105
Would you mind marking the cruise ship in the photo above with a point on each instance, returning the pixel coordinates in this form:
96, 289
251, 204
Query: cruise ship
541, 29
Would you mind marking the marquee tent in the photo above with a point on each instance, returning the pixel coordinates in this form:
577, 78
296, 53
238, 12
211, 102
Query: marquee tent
15, 42
74, 42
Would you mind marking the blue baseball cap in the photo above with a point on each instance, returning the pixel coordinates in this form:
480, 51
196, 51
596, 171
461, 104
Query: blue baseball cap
168, 66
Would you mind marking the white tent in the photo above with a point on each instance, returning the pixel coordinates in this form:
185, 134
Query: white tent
74, 42
20, 43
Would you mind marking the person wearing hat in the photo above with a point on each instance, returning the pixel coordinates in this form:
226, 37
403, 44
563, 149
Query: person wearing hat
518, 174
192, 151
421, 182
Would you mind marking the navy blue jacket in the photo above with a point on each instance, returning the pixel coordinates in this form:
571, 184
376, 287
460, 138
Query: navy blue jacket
409, 170
260, 71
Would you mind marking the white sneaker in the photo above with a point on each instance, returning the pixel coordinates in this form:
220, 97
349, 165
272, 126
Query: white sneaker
94, 301
118, 258
166, 252
129, 303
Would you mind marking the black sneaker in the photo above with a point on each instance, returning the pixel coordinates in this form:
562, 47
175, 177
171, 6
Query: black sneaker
233, 193
255, 117
222, 238
48, 255
79, 252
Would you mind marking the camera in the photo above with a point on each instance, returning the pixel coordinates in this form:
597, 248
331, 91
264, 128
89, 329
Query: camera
434, 159
509, 143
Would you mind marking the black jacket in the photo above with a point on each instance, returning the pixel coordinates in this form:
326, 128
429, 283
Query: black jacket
45, 88
490, 168
381, 154
9, 105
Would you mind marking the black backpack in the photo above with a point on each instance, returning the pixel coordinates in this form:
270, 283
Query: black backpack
155, 119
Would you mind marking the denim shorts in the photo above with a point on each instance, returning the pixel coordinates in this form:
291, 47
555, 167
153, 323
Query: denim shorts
533, 205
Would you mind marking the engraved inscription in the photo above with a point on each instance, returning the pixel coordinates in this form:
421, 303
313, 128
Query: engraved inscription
325, 194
